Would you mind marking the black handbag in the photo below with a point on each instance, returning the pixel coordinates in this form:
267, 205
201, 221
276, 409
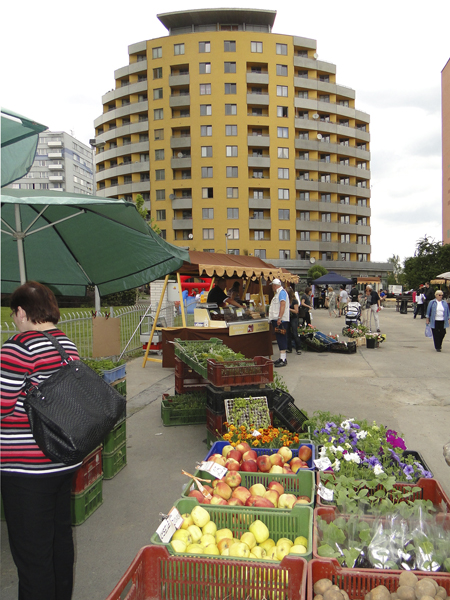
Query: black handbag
72, 411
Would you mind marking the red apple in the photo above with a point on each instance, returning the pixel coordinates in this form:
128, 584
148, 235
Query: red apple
233, 479
276, 459
303, 500
226, 449
249, 466
208, 488
287, 470
196, 494
276, 485
235, 502
250, 455
263, 503
213, 457
236, 454
296, 464
305, 453
241, 493
243, 447
218, 500
232, 465
257, 489
273, 496
223, 490
264, 464
251, 500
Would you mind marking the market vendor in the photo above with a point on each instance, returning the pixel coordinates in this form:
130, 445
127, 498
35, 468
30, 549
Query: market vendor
218, 296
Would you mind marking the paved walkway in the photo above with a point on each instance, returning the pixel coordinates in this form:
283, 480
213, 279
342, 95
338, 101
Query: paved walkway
404, 384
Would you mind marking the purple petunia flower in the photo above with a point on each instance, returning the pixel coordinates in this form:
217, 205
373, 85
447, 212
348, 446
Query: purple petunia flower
355, 426
394, 440
373, 460
408, 471
395, 456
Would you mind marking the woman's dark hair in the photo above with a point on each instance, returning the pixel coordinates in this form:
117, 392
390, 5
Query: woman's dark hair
291, 294
38, 302
307, 290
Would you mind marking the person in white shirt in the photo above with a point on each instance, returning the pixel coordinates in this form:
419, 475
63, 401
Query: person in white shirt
438, 317
279, 317
343, 299
420, 297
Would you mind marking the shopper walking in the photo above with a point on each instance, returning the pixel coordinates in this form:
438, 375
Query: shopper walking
343, 300
438, 317
429, 296
36, 491
279, 317
293, 340
305, 306
331, 302
373, 301
420, 299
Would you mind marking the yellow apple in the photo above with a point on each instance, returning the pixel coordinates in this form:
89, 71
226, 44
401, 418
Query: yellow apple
178, 545
210, 527
258, 552
240, 549
183, 535
200, 516
298, 549
249, 539
282, 549
195, 549
223, 533
300, 541
212, 549
187, 520
272, 553
260, 531
207, 539
284, 540
195, 532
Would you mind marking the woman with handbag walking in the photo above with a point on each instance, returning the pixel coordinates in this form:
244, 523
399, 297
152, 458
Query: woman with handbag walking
438, 317
36, 491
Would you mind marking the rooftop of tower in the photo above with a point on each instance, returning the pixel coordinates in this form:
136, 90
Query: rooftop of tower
221, 16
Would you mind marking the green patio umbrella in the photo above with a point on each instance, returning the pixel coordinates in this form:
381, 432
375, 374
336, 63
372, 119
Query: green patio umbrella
68, 241
20, 138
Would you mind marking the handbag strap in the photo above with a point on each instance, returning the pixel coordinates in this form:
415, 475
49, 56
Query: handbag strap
57, 345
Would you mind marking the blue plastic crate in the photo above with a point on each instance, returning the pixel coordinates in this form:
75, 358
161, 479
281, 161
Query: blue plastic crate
114, 374
325, 339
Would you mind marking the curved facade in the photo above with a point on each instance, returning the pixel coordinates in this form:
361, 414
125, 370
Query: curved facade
241, 139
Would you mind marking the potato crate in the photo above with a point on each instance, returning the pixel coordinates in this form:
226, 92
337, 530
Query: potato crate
89, 472
156, 575
173, 414
111, 375
240, 372
357, 583
84, 504
202, 345
255, 412
115, 461
238, 519
301, 484
115, 438
430, 489
219, 445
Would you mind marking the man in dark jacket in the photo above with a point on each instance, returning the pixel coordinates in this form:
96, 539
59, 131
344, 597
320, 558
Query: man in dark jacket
354, 294
429, 296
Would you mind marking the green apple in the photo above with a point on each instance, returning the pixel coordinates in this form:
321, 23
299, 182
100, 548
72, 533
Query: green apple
200, 516
195, 532
298, 549
259, 530
178, 545
210, 527
300, 541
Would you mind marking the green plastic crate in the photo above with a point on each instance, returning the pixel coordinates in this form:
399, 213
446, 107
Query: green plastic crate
201, 370
172, 416
84, 504
115, 438
301, 484
114, 462
238, 519
121, 386
2, 510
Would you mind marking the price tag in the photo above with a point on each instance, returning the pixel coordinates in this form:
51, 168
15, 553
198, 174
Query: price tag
239, 312
323, 463
325, 493
169, 525
216, 470
256, 433
221, 311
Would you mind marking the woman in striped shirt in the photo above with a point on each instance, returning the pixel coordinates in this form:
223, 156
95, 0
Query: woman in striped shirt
35, 490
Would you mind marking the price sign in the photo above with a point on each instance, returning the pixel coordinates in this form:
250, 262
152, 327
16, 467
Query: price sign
169, 525
216, 470
325, 493
239, 312
323, 463
256, 433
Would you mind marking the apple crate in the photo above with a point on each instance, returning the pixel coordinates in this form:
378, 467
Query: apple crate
156, 575
115, 461
219, 446
430, 489
89, 472
240, 372
301, 484
357, 583
238, 519
84, 504
111, 375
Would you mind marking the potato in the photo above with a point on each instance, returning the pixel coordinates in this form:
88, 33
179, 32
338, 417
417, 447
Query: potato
406, 592
436, 587
331, 594
344, 593
394, 596
321, 586
380, 593
408, 578
318, 597
425, 588
441, 592
428, 597
368, 596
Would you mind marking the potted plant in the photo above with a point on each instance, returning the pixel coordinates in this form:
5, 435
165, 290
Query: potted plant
373, 340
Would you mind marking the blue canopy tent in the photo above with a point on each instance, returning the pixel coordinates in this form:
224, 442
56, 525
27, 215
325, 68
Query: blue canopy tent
332, 278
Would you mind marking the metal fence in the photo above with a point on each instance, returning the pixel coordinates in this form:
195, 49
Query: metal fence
77, 326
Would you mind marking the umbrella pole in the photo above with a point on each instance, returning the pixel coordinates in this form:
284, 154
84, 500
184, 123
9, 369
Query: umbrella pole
19, 235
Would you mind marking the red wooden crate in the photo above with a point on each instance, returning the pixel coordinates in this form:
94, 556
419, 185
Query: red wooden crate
155, 575
357, 583
89, 472
240, 372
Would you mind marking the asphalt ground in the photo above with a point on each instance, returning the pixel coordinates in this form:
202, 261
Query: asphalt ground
404, 384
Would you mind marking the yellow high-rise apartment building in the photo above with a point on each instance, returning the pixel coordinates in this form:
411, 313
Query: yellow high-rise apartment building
241, 139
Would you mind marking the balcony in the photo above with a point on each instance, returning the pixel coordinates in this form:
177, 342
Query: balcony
259, 141
177, 80
55, 155
56, 167
181, 162
258, 78
258, 99
259, 161
259, 203
182, 204
55, 144
180, 141
56, 178
180, 224
265, 223
178, 100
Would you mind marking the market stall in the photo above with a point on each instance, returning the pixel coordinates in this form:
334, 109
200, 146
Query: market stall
231, 325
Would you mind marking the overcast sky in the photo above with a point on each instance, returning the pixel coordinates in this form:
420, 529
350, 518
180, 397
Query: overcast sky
59, 58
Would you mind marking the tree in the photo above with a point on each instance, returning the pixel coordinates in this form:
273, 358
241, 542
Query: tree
144, 214
316, 271
396, 266
430, 259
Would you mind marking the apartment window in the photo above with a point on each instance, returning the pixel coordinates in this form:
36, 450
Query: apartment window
157, 52
204, 67
157, 73
231, 109
159, 135
284, 234
304, 215
345, 142
142, 97
345, 238
258, 195
257, 174
178, 49
232, 171
325, 237
325, 178
205, 110
284, 254
160, 194
325, 197
159, 154
204, 47
302, 74
260, 253
232, 213
207, 213
344, 180
281, 49
206, 151
302, 94
326, 218
231, 130
282, 90
361, 184
283, 173
158, 114
207, 192
283, 132
282, 70
259, 235
229, 46
160, 174
229, 67
231, 150
303, 135
205, 89
163, 234
258, 214
283, 194
207, 172
344, 199
324, 97
233, 234
232, 192
160, 215
345, 256
362, 239
361, 221
143, 137
208, 234
283, 214
303, 155
282, 111
362, 257
206, 130
256, 47
283, 152
304, 236
345, 219
230, 88
142, 119
304, 175
361, 202
157, 94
